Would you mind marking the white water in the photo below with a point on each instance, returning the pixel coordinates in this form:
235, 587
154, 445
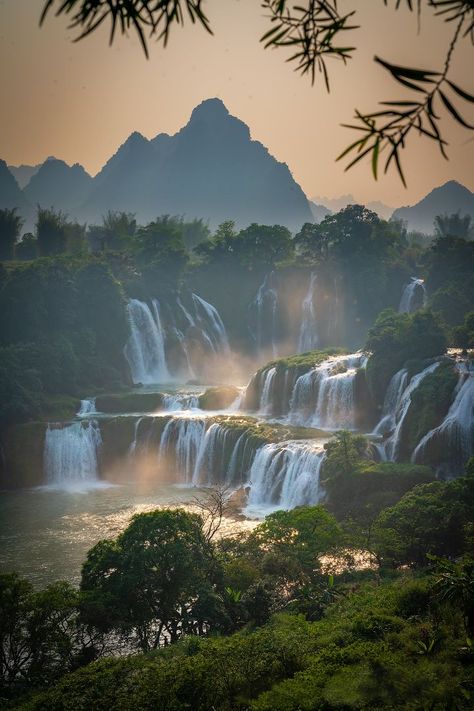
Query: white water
456, 433
324, 397
70, 455
283, 476
410, 299
180, 401
266, 304
211, 324
180, 446
145, 348
87, 407
391, 402
392, 444
308, 338
267, 391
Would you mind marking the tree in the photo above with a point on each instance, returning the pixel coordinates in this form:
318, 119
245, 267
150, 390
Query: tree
430, 519
396, 338
10, 226
312, 31
294, 540
156, 582
51, 231
40, 636
453, 226
160, 249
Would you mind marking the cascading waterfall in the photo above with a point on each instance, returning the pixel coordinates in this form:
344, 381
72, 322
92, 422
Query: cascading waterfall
308, 338
180, 401
392, 443
70, 455
87, 407
324, 397
284, 475
391, 402
145, 348
267, 391
266, 306
413, 296
211, 324
180, 445
454, 437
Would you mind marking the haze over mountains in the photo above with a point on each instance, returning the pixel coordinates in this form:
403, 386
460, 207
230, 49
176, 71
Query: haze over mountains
210, 169
447, 199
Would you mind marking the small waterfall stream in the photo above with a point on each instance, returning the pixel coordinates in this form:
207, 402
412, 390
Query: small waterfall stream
145, 348
180, 401
211, 324
454, 437
413, 296
70, 455
266, 307
308, 337
391, 446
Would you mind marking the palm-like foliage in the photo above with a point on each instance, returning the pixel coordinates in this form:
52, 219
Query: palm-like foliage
10, 226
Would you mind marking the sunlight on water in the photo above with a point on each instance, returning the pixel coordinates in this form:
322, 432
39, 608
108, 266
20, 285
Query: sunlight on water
45, 534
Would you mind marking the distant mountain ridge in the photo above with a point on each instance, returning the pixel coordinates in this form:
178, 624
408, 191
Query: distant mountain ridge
449, 198
210, 169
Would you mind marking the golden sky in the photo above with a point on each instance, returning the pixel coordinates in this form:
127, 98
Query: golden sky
79, 102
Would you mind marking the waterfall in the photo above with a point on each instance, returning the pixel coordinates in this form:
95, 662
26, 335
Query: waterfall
266, 305
391, 402
180, 446
210, 462
145, 348
284, 475
324, 397
455, 435
413, 296
392, 444
308, 338
211, 324
267, 391
180, 401
133, 447
87, 407
70, 455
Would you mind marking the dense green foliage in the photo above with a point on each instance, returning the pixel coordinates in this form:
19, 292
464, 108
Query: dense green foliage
62, 328
262, 624
396, 339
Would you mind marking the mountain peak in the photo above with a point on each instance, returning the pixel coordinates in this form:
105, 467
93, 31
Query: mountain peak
210, 109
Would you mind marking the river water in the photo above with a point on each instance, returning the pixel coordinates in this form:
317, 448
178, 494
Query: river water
45, 534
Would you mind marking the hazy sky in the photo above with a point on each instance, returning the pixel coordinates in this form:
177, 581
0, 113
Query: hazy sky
79, 102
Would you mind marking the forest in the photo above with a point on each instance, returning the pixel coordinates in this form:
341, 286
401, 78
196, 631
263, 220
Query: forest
353, 587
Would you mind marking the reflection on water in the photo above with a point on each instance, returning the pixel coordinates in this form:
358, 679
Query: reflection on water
45, 534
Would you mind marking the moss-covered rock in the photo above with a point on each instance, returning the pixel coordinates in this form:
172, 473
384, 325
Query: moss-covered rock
129, 402
218, 398
430, 403
23, 447
288, 370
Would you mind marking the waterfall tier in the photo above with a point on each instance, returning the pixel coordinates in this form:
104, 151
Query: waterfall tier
284, 475
145, 348
172, 342
70, 455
